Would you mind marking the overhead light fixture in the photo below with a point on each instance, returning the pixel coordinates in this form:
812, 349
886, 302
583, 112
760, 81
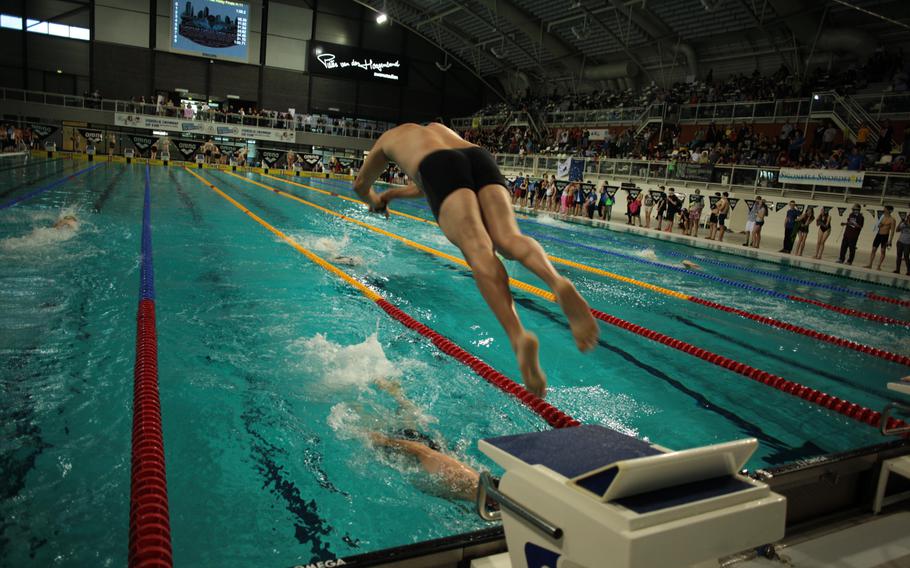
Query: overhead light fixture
317, 51
59, 70
233, 97
382, 18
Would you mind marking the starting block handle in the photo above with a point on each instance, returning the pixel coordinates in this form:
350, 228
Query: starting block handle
486, 487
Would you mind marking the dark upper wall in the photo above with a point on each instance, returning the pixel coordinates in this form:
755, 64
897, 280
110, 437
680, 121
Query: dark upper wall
129, 56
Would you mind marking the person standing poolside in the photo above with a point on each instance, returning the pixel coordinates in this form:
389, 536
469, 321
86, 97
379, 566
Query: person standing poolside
824, 229
803, 222
467, 195
854, 224
759, 222
674, 203
903, 245
695, 209
649, 205
723, 209
750, 220
790, 228
884, 238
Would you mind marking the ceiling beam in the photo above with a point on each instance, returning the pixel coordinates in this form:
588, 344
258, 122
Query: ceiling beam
438, 16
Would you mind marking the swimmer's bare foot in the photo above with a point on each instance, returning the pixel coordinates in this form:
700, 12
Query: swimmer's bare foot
584, 328
529, 364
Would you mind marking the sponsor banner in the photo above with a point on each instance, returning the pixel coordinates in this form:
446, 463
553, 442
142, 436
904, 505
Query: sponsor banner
562, 169
42, 131
627, 185
205, 128
311, 159
142, 143
92, 135
270, 157
188, 148
749, 204
577, 169
713, 200
780, 205
345, 162
561, 184
597, 133
835, 178
611, 191
733, 201
633, 193
694, 172
656, 194
693, 198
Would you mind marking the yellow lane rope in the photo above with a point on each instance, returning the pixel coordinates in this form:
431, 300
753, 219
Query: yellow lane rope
515, 283
556, 259
313, 257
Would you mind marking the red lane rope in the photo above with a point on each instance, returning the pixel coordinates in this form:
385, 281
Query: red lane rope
150, 534
851, 312
890, 300
553, 416
874, 351
839, 405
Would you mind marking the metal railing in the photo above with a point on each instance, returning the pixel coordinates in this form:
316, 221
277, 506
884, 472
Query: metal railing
878, 107
878, 186
322, 124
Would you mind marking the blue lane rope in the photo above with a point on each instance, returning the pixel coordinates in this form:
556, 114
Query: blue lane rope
47, 187
147, 272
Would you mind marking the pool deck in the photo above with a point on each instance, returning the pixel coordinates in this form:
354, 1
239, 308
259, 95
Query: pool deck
733, 246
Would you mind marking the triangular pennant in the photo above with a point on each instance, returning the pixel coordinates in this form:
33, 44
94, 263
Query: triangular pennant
561, 184
826, 209
903, 215
611, 191
733, 201
800, 207
780, 205
713, 199
749, 204
841, 210
655, 194
633, 193
693, 198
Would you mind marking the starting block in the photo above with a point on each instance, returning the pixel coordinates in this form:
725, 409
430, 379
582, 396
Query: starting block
591, 497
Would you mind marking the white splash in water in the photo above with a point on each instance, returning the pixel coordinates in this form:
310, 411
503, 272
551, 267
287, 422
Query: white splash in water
345, 366
550, 220
42, 237
647, 254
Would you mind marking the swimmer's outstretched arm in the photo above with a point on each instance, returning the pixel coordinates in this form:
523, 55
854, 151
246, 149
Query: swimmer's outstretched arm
409, 192
373, 166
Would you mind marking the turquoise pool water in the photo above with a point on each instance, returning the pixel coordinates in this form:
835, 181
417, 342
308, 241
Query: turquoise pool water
267, 363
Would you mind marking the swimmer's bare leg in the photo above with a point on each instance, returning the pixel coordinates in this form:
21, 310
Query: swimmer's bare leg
458, 478
460, 219
500, 222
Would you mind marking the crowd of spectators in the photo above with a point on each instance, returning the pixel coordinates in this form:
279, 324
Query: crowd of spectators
14, 138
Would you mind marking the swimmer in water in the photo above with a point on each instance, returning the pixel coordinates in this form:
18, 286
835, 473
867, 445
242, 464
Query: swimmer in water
67, 222
691, 265
468, 196
347, 260
455, 478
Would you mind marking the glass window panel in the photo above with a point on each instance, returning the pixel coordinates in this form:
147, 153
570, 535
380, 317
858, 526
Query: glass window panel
11, 22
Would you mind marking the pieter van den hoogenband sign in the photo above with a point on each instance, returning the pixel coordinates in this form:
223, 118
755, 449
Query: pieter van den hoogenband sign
354, 63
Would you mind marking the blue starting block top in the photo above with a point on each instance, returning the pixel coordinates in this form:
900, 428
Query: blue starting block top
574, 451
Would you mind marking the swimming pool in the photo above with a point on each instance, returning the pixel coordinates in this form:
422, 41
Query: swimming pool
266, 362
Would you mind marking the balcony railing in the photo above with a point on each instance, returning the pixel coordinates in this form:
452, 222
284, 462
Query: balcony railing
356, 128
886, 105
878, 186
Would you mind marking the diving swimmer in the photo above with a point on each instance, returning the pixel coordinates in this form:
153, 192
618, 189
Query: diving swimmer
467, 194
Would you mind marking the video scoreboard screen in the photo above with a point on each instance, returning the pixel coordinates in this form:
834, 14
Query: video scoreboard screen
210, 28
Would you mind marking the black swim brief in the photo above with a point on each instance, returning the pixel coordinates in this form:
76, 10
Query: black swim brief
444, 171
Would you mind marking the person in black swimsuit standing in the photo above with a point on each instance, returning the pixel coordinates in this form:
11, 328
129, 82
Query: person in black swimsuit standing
467, 195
